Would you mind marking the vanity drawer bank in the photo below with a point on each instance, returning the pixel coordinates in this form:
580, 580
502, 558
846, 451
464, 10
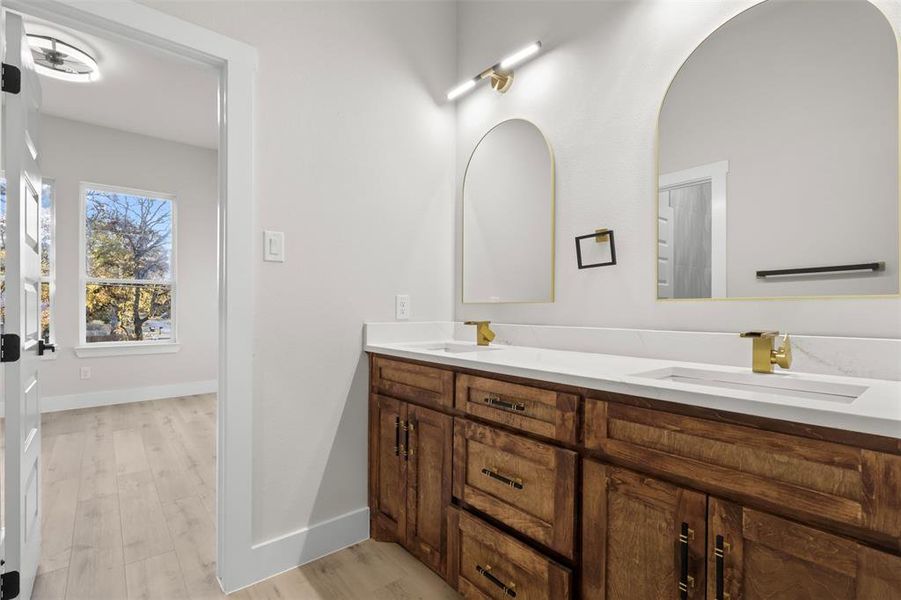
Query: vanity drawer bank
523, 488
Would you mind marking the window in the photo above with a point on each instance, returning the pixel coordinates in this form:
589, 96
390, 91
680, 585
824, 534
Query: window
128, 266
48, 267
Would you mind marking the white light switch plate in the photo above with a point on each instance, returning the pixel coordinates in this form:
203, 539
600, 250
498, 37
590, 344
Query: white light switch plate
402, 307
274, 246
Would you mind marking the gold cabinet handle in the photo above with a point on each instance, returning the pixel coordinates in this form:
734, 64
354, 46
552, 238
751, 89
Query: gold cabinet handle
513, 482
506, 588
496, 402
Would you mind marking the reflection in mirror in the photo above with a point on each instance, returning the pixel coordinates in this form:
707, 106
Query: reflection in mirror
508, 217
778, 150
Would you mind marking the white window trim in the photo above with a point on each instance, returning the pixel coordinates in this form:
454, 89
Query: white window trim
85, 349
716, 173
98, 349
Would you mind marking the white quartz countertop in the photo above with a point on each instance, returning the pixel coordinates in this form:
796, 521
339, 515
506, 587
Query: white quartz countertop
876, 411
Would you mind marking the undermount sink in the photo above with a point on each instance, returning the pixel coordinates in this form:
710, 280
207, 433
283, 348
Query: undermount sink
782, 384
455, 347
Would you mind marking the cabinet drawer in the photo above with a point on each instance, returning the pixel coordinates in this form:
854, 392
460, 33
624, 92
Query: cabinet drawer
542, 412
813, 480
486, 563
407, 381
523, 483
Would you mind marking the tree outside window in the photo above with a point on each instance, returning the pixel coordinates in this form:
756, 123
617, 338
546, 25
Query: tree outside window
128, 252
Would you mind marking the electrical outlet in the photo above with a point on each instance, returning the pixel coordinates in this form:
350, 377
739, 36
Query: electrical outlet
85, 372
402, 307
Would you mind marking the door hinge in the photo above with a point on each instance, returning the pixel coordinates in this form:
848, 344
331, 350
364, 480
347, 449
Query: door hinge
12, 79
9, 348
9, 584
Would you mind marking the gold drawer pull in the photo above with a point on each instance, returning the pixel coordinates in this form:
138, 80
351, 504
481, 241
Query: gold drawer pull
496, 402
513, 482
505, 588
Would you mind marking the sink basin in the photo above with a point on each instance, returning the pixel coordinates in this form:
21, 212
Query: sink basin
454, 347
782, 384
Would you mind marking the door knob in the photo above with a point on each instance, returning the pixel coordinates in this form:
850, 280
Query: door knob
44, 346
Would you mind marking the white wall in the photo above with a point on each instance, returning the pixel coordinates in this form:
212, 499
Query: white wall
802, 99
73, 152
595, 92
354, 161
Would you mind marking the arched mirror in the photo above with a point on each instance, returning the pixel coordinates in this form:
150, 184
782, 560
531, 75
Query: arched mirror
508, 217
778, 157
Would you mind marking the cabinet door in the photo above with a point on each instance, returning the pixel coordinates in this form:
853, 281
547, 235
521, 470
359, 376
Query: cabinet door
754, 555
387, 469
430, 452
641, 537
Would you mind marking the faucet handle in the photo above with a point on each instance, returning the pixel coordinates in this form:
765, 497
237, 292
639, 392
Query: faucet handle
759, 334
477, 322
783, 355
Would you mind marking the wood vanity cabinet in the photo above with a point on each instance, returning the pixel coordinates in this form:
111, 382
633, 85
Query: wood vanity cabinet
832, 485
641, 537
684, 544
752, 554
411, 450
511, 488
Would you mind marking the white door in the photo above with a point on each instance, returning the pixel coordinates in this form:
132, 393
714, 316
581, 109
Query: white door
664, 246
22, 315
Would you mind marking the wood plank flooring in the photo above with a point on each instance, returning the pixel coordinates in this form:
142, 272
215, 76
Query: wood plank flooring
129, 514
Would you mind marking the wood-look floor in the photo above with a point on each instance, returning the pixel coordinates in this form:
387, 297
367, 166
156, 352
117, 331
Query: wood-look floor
129, 505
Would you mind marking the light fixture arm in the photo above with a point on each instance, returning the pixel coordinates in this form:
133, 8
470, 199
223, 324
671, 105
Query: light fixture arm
500, 79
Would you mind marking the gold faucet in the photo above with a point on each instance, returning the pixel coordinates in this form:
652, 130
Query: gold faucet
484, 335
764, 355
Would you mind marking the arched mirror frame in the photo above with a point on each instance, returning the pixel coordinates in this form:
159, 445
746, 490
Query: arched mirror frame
553, 225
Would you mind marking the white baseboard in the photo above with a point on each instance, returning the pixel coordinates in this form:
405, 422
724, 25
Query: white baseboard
125, 396
306, 545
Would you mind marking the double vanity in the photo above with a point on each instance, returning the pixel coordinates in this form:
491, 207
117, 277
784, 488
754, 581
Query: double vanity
519, 472
672, 469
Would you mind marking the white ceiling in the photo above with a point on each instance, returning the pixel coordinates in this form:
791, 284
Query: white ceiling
141, 89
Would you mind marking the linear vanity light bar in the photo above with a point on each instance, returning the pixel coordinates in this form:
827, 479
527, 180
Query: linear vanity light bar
520, 55
461, 89
500, 74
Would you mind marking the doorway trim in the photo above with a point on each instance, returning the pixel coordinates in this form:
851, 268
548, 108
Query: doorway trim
716, 173
236, 61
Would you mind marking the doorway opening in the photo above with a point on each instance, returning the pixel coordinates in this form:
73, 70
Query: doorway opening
122, 409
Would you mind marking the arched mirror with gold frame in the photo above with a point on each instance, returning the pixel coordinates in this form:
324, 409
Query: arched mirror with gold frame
778, 157
508, 217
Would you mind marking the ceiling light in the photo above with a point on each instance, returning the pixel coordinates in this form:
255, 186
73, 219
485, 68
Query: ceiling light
500, 75
57, 59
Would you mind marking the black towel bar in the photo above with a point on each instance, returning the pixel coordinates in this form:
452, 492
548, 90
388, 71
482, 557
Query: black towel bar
872, 266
